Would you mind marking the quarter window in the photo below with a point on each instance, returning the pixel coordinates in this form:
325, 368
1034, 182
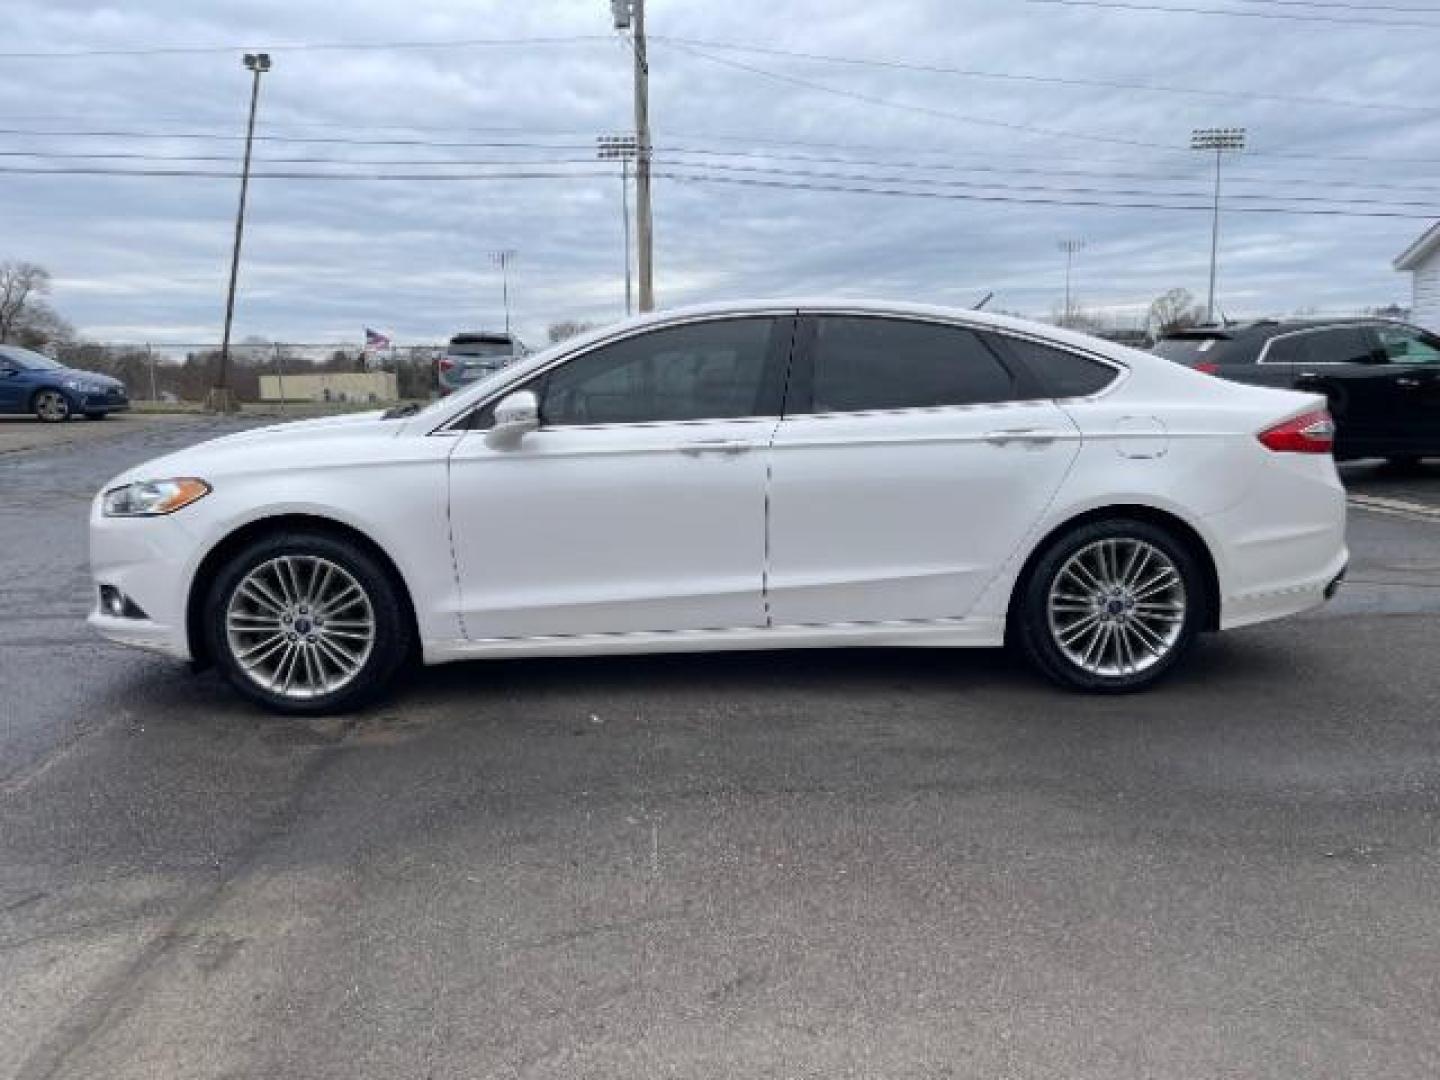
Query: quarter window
1063, 374
865, 363
701, 371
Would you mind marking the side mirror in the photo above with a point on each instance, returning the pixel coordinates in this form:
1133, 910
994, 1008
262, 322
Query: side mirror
515, 415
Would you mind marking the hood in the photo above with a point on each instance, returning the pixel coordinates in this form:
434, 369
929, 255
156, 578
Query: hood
276, 445
89, 376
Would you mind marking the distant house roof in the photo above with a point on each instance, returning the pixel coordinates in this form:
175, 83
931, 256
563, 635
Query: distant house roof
1422, 249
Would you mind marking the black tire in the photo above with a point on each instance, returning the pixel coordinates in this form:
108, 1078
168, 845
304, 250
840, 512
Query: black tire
393, 632
1036, 631
96, 415
50, 406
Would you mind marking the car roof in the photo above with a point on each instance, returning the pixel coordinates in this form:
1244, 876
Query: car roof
1273, 327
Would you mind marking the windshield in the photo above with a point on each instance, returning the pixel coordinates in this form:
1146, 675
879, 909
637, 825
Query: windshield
27, 360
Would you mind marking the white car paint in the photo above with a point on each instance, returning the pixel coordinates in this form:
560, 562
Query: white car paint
905, 527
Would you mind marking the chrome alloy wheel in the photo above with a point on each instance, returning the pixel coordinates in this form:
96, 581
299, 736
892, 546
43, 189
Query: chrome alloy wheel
51, 405
1117, 607
300, 626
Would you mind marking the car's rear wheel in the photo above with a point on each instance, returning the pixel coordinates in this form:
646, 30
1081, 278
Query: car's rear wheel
307, 623
50, 406
1112, 606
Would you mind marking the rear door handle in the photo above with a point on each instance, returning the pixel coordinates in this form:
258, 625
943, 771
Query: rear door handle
1027, 435
715, 446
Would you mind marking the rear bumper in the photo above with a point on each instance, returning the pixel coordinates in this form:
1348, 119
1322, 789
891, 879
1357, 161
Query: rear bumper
1246, 609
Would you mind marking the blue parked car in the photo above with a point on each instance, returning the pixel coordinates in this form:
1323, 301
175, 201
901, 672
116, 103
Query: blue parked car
32, 383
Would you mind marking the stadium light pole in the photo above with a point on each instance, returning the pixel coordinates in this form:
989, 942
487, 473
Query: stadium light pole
503, 258
622, 148
1070, 248
1221, 141
221, 399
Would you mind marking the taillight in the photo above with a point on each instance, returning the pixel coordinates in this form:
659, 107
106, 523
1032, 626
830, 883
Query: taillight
1207, 367
446, 363
1308, 433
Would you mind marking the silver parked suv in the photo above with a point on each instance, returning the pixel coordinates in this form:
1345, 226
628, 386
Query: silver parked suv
472, 356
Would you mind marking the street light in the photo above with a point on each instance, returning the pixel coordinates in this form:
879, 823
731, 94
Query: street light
221, 399
1221, 141
622, 148
503, 258
1070, 248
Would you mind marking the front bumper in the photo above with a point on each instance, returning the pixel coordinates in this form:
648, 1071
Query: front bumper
106, 401
149, 561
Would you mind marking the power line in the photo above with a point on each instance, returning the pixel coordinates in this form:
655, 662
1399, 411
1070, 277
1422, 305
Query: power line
1131, 5
783, 185
922, 110
1339, 4
304, 46
583, 146
1009, 76
676, 154
842, 184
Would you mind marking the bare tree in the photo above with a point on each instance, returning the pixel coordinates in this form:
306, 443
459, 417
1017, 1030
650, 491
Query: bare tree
23, 287
1174, 310
567, 328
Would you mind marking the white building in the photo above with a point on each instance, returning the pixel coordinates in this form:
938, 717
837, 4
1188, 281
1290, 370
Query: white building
1422, 261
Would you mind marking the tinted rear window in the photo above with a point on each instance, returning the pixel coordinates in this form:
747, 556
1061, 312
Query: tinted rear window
1191, 350
1063, 374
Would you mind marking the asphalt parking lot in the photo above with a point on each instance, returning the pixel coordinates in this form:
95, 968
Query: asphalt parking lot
887, 864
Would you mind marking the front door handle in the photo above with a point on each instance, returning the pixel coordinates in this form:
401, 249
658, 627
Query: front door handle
715, 446
1408, 382
1027, 435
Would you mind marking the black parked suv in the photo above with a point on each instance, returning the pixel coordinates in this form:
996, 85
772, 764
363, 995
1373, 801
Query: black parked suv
1382, 378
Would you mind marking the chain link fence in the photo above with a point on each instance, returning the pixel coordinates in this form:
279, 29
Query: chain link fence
301, 371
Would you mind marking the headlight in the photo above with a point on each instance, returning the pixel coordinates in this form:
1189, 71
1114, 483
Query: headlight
151, 498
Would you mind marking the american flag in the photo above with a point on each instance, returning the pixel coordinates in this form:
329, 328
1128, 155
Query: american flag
374, 340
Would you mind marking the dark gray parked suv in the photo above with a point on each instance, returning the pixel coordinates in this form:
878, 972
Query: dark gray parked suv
1382, 378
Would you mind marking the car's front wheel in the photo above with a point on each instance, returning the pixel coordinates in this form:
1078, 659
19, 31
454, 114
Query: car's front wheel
307, 623
1111, 606
50, 406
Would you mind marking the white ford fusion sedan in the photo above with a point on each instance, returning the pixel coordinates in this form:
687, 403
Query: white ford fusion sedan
749, 476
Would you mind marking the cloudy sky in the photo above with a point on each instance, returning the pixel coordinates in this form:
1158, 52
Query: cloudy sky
969, 175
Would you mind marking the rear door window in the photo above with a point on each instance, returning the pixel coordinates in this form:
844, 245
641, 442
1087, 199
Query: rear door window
1341, 345
1290, 349
868, 363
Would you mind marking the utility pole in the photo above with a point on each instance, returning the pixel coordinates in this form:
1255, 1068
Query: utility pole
503, 258
630, 15
623, 148
1070, 248
1221, 141
221, 399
